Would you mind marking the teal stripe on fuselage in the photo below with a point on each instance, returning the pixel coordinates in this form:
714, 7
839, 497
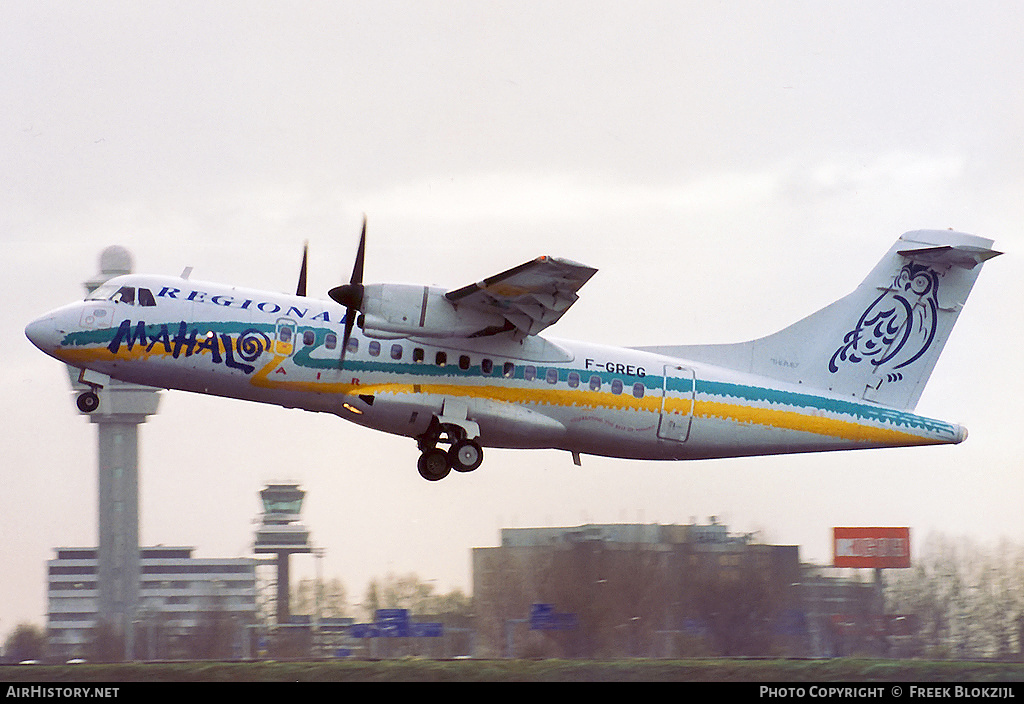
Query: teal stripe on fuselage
850, 408
744, 394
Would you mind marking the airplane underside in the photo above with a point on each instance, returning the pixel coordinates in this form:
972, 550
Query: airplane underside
452, 425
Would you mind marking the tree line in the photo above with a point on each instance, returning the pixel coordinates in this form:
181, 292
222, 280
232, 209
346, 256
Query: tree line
965, 600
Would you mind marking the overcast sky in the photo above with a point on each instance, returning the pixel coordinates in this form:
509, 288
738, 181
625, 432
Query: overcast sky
728, 168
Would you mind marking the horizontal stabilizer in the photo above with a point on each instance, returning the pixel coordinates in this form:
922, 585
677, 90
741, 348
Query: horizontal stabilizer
963, 256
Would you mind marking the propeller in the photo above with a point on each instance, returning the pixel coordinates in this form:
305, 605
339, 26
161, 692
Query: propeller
300, 290
350, 295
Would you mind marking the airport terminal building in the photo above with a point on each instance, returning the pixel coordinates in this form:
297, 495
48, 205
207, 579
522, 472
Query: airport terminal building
188, 606
636, 589
649, 590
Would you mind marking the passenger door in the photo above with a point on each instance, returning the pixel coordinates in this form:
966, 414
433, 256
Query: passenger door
677, 399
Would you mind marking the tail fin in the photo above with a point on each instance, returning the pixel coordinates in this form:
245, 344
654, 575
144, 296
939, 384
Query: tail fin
879, 343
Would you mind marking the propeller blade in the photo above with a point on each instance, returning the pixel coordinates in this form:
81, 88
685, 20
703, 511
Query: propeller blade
357, 270
350, 295
349, 321
300, 290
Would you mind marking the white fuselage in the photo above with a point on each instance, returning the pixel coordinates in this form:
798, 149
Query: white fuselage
517, 393
528, 393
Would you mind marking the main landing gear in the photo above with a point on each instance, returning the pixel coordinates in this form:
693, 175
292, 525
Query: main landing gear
463, 455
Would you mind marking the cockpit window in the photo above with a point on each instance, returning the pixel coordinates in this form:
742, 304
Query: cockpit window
146, 297
123, 294
103, 293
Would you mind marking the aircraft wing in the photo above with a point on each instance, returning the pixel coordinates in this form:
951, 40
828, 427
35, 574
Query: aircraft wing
530, 297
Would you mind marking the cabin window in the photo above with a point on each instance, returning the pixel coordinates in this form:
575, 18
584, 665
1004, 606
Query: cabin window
146, 297
486, 367
308, 338
638, 389
396, 351
617, 386
509, 370
331, 341
417, 354
530, 372
353, 345
574, 380
552, 376
595, 383
284, 334
441, 358
464, 362
374, 348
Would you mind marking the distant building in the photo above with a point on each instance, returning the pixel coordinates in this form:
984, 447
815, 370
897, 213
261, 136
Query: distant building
844, 614
643, 590
188, 606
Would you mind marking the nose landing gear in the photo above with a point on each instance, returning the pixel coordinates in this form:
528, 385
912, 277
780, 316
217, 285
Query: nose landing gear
88, 401
463, 455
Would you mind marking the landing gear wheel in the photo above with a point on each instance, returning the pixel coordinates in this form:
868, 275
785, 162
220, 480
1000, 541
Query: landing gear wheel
465, 455
433, 465
88, 402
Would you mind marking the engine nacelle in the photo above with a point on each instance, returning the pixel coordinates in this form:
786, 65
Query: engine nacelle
406, 310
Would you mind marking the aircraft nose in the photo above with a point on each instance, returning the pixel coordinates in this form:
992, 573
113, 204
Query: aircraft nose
43, 333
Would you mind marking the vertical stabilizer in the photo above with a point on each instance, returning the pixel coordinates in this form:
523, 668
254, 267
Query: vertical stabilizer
879, 343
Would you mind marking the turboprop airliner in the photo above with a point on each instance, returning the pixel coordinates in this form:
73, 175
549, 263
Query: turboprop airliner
463, 369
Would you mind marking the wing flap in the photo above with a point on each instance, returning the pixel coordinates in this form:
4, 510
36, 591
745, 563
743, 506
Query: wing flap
531, 296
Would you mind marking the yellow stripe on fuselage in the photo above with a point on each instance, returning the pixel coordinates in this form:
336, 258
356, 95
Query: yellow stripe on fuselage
778, 418
810, 423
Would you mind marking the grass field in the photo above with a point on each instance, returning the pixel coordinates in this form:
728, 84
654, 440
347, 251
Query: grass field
416, 670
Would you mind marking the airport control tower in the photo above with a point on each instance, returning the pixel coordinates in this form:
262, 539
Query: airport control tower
281, 534
123, 407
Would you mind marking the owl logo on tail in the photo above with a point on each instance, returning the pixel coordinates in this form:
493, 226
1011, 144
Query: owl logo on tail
900, 323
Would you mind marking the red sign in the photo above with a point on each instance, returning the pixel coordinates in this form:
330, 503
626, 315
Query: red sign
880, 548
